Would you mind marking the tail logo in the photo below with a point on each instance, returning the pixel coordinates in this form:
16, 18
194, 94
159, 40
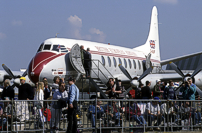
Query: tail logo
152, 46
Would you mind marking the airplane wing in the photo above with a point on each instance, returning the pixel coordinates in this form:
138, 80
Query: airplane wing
164, 62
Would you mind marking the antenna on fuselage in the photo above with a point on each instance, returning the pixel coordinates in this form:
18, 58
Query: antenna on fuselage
56, 35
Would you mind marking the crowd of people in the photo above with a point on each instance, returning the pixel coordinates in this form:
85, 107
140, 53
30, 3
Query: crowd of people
143, 112
60, 94
160, 103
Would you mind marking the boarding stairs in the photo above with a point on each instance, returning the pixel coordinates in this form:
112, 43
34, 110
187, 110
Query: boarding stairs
99, 77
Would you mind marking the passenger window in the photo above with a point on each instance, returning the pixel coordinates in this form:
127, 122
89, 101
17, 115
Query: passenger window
120, 61
103, 60
125, 62
139, 64
40, 48
134, 63
109, 61
47, 47
114, 62
129, 62
55, 48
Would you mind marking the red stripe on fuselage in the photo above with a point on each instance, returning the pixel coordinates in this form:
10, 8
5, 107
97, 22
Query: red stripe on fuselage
38, 62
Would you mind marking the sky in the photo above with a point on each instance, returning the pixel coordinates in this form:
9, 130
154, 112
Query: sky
25, 24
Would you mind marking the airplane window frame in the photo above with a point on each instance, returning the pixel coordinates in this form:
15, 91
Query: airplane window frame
109, 61
103, 60
40, 47
139, 64
130, 64
134, 63
53, 48
120, 62
47, 48
125, 62
114, 59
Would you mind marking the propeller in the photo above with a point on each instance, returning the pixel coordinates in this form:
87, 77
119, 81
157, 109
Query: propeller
196, 71
135, 82
8, 71
16, 78
177, 69
24, 74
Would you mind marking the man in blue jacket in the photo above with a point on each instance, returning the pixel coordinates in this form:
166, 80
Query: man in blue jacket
73, 97
92, 111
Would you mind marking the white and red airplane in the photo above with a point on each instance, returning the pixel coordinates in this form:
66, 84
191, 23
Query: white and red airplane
60, 56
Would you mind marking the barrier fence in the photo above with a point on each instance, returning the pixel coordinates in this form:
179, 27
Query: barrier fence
102, 115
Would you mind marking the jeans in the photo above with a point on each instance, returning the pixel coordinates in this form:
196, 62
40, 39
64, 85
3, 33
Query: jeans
93, 118
139, 119
196, 116
117, 117
152, 118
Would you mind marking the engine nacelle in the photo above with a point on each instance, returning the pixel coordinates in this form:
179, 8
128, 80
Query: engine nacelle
134, 83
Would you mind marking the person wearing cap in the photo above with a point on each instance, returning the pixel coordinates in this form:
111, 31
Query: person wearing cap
157, 89
8, 91
73, 97
26, 92
146, 91
56, 111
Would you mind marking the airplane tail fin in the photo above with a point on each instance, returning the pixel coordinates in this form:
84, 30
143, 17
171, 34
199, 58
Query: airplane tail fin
152, 43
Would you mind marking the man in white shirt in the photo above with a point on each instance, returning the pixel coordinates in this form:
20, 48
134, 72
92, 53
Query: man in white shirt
153, 112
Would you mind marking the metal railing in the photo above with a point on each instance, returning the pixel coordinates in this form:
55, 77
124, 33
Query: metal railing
99, 71
124, 115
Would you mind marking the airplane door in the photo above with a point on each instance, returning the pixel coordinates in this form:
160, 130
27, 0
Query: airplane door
75, 59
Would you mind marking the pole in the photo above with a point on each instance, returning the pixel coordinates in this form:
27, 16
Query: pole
95, 115
11, 116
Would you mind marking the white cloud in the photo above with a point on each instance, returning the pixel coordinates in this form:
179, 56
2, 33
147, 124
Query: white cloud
167, 1
16, 23
75, 21
99, 35
76, 26
95, 31
2, 36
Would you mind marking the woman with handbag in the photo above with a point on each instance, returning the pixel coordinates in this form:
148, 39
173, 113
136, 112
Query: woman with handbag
56, 106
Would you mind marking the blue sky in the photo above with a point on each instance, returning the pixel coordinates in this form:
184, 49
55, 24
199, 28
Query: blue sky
25, 24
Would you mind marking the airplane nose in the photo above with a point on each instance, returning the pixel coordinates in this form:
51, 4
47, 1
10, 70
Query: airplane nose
37, 64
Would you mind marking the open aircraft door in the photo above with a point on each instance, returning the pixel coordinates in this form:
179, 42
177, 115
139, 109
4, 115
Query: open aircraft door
75, 59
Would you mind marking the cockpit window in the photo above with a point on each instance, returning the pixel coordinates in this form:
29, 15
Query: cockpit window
61, 47
47, 47
40, 48
56, 48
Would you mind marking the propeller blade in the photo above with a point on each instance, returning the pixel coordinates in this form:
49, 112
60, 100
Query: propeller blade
24, 74
174, 67
125, 72
145, 73
8, 71
198, 69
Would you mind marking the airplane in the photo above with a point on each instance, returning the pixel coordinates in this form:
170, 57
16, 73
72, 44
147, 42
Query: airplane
61, 57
